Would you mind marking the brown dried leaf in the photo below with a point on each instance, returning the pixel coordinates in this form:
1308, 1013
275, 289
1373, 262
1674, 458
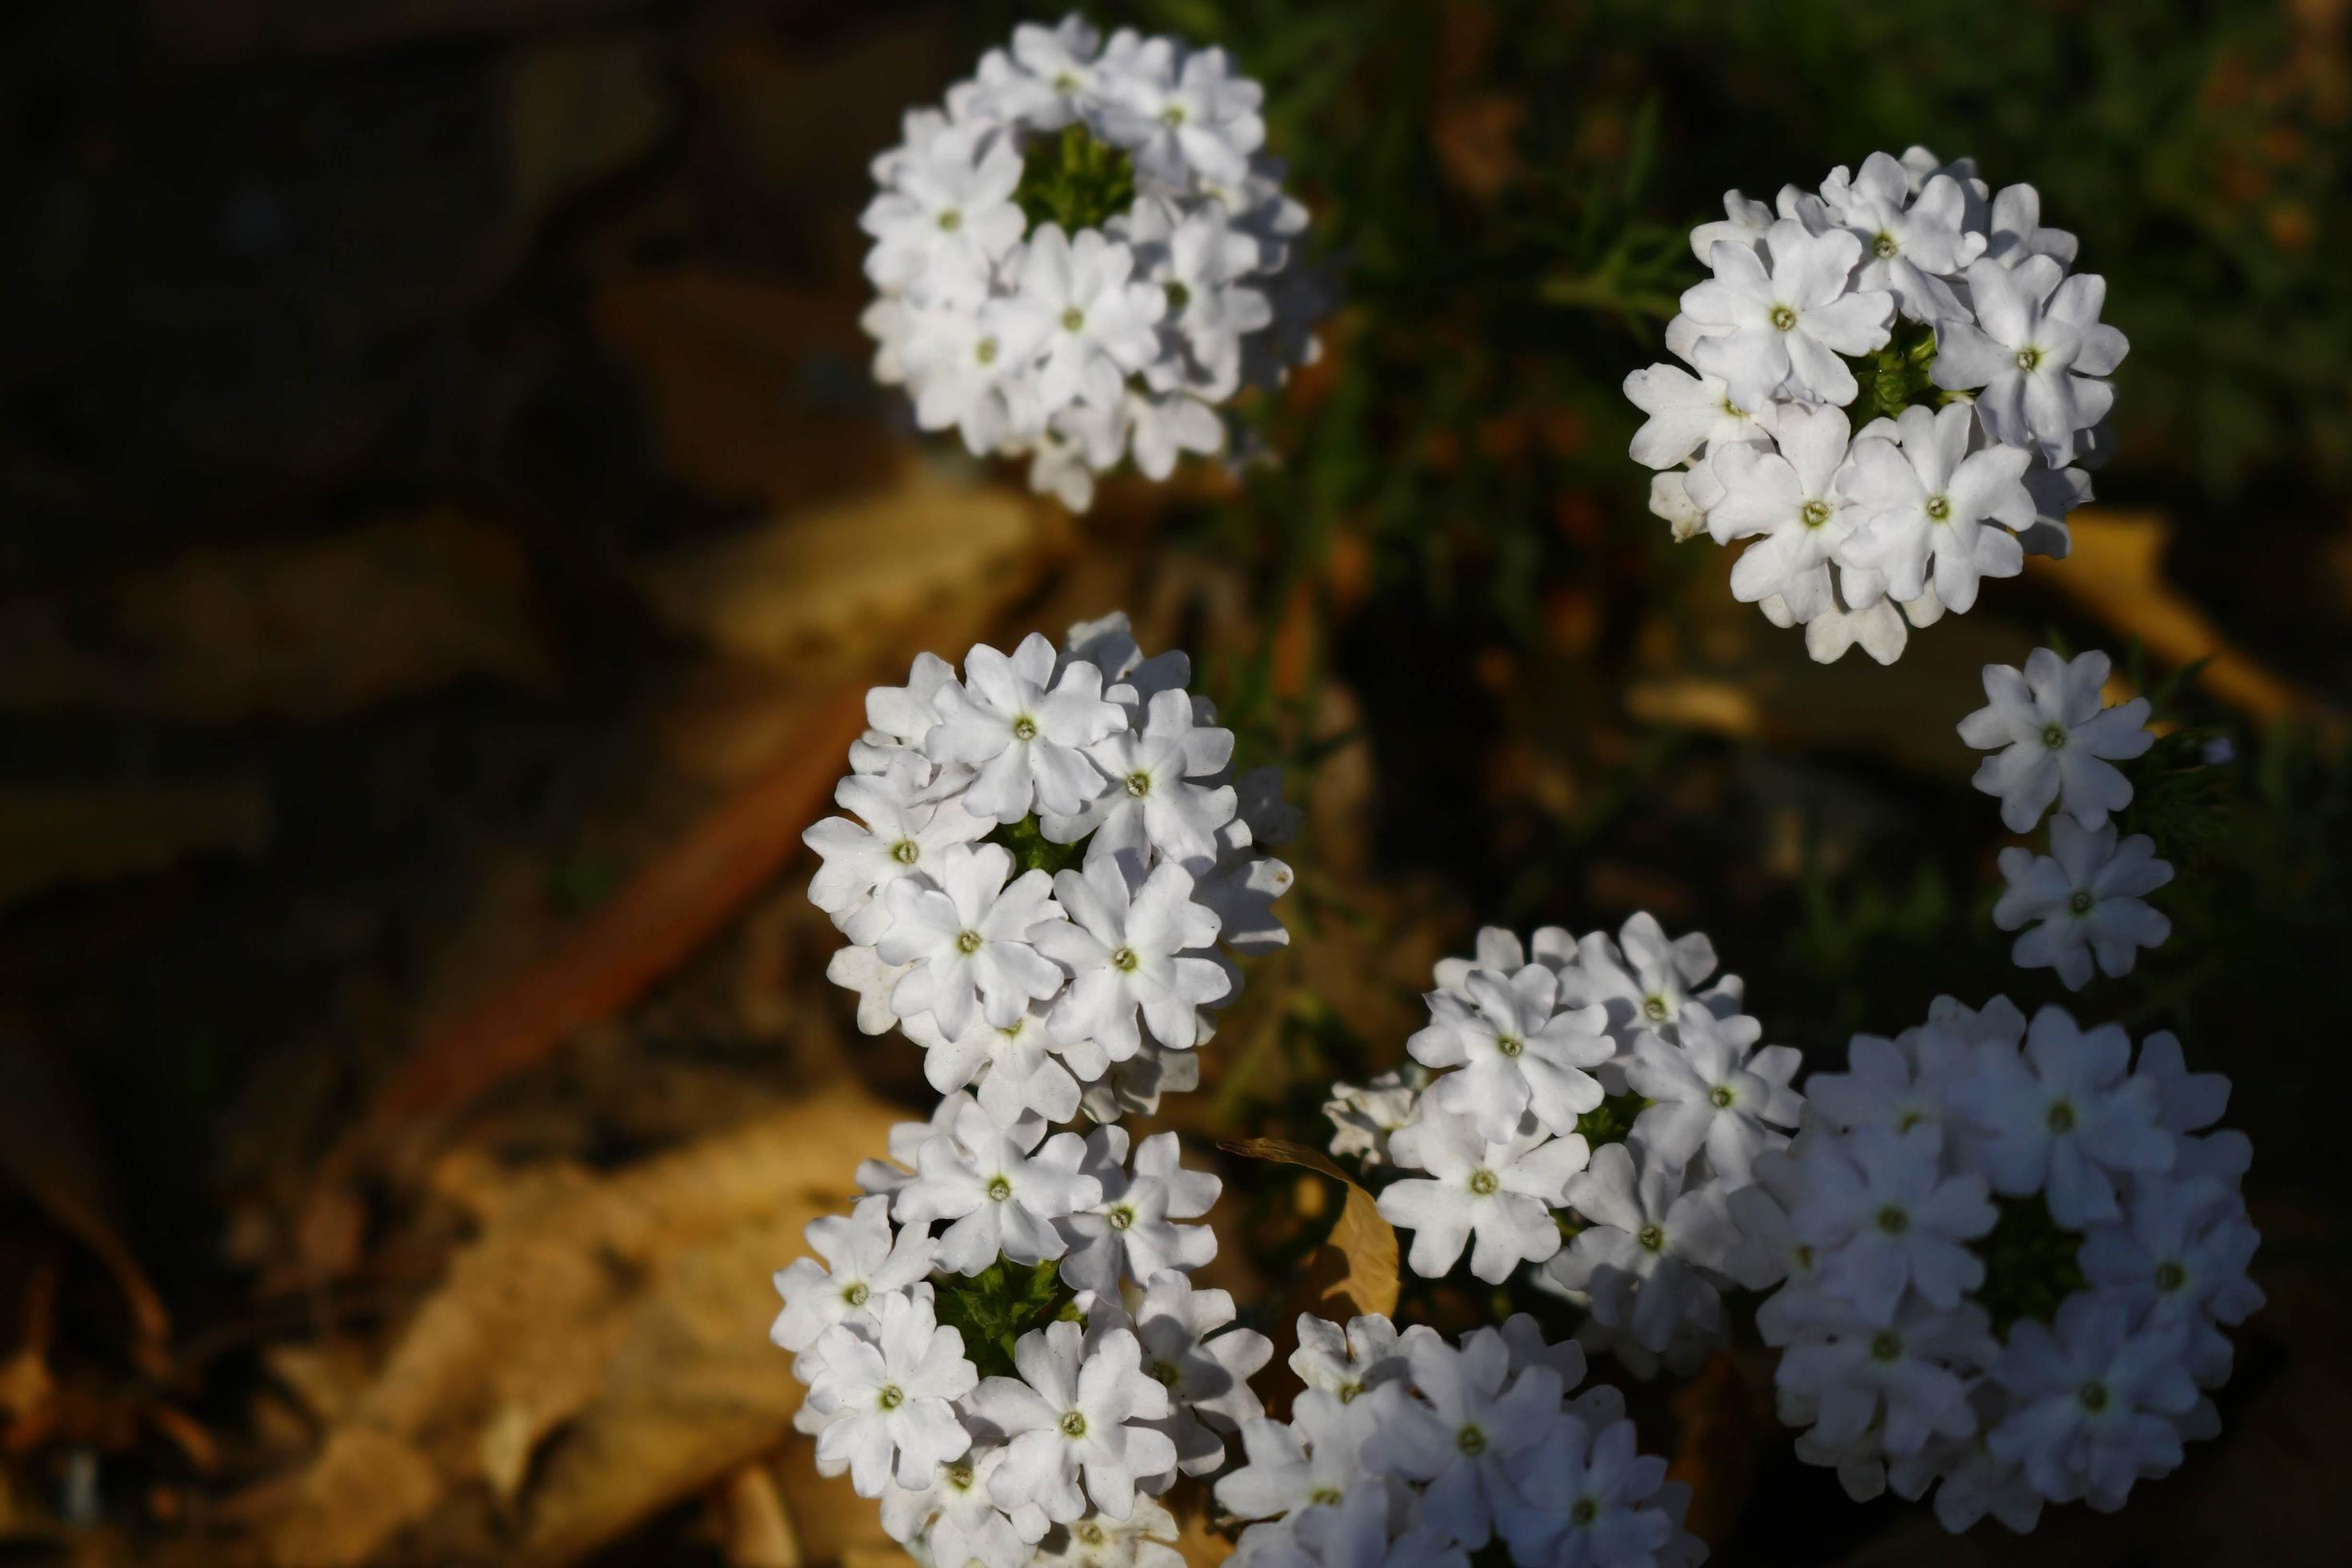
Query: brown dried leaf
821, 577
1366, 1243
627, 1313
306, 630
2115, 573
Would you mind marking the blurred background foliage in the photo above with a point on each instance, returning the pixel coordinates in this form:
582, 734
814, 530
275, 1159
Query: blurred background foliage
450, 521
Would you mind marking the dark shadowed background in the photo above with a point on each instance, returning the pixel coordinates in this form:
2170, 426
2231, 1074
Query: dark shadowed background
449, 524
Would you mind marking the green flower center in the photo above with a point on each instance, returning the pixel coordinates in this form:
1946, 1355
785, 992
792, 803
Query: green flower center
1073, 320
1586, 1510
857, 1294
1654, 1008
1347, 1392
999, 1190
2053, 735
984, 351
1483, 1182
1721, 1096
1326, 1496
1074, 1424
1121, 1217
1783, 319
2093, 1395
1139, 784
1894, 1221
2170, 1277
1165, 1371
1025, 728
891, 1396
2060, 1120
1178, 298
967, 941
960, 1476
1471, 1441
1652, 1237
1887, 1346
1173, 115
2029, 360
1885, 247
906, 852
1509, 1044
1813, 513
1939, 509
951, 220
2081, 903
1073, 180
1126, 959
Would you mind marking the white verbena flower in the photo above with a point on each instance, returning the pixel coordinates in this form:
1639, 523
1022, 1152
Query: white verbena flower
865, 1261
2053, 740
1077, 1413
1001, 1197
892, 1395
1131, 952
1517, 1054
2033, 354
1788, 322
966, 935
1495, 1195
1924, 498
2086, 894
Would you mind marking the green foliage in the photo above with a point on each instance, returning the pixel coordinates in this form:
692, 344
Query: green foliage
1611, 1120
1074, 179
1032, 851
2030, 1263
1898, 376
995, 1307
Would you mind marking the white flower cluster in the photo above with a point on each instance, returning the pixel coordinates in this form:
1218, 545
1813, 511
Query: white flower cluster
1002, 1344
1085, 253
1117, 1374
2054, 741
1605, 1083
1407, 1452
2006, 1254
1946, 313
1049, 991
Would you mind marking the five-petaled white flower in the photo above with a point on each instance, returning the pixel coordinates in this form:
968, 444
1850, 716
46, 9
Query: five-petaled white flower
1644, 1256
1025, 725
2054, 741
1910, 246
2096, 1402
948, 218
1131, 1230
1151, 800
906, 823
1199, 115
1795, 502
1077, 1411
1499, 1192
1130, 951
1787, 324
1002, 1198
1712, 1089
1079, 316
1924, 496
1517, 1052
2086, 895
1883, 1217
2062, 1118
1578, 1497
1461, 1437
863, 1260
2033, 354
968, 939
891, 1395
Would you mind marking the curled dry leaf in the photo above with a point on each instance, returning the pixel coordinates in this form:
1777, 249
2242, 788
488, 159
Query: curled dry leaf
598, 1354
1364, 1242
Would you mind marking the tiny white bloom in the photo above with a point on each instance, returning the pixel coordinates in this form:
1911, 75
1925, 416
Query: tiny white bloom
1712, 1089
2086, 894
2095, 1400
1129, 952
1077, 1412
1791, 321
2053, 740
1077, 316
1644, 1255
892, 1395
864, 1261
1500, 1193
1925, 498
1025, 725
1002, 1198
2061, 1119
2034, 354
1515, 1052
968, 939
1130, 1231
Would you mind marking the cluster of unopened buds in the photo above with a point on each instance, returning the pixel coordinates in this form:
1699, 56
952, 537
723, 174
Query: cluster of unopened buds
1895, 386
1085, 255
